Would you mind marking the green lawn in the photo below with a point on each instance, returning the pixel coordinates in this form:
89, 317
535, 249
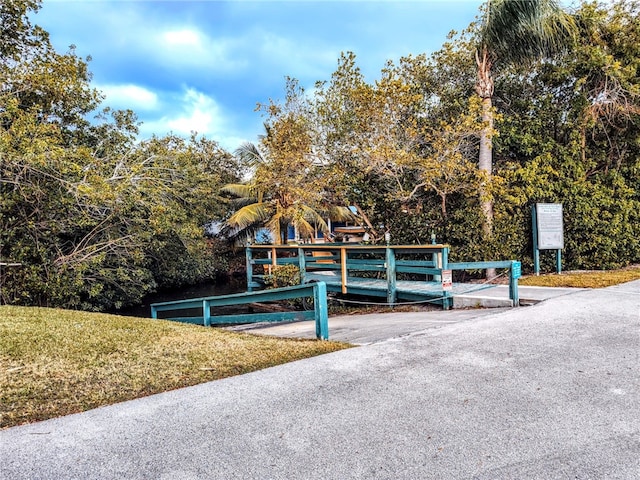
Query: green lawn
56, 362
589, 279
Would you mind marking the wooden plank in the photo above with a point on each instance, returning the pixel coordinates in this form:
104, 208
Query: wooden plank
391, 276
317, 290
302, 263
479, 265
279, 261
323, 266
323, 256
416, 263
356, 247
423, 270
321, 311
249, 264
343, 268
191, 320
354, 259
270, 317
437, 259
365, 268
206, 313
367, 262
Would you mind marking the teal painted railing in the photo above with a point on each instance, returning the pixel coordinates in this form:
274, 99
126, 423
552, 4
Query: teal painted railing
318, 291
348, 260
513, 266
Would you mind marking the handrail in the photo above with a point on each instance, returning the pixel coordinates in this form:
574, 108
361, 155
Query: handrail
317, 290
515, 271
385, 259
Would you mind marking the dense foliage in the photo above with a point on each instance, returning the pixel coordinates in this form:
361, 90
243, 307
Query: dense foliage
564, 128
96, 218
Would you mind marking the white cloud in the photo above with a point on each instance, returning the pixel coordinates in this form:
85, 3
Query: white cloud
190, 48
129, 96
182, 37
200, 114
194, 111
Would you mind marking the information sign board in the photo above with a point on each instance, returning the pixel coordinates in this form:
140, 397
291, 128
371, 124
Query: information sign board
447, 280
549, 226
516, 270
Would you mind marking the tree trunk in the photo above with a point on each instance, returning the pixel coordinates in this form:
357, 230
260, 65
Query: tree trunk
485, 164
484, 88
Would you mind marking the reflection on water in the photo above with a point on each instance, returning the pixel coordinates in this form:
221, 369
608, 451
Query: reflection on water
195, 291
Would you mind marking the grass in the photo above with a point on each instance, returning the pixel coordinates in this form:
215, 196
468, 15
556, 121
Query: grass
56, 362
588, 279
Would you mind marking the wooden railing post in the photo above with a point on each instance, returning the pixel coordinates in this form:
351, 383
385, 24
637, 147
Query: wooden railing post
514, 273
317, 290
249, 255
206, 313
343, 269
437, 263
390, 260
302, 264
321, 310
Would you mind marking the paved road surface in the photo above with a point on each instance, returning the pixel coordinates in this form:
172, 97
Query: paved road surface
372, 327
542, 392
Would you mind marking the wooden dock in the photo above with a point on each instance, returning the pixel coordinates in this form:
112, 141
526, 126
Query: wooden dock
398, 273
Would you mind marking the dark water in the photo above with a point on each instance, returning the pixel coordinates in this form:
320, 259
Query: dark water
195, 291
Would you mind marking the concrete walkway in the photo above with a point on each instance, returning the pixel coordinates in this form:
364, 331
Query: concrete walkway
548, 391
498, 296
372, 328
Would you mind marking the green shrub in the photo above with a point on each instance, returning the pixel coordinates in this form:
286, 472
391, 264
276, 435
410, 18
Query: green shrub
283, 276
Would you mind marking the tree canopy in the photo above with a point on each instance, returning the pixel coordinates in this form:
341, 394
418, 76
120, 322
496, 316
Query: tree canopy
559, 127
98, 217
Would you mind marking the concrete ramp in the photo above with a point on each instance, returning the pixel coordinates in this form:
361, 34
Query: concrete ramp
498, 296
379, 327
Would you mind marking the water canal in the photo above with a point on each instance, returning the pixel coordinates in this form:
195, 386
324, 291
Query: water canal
223, 287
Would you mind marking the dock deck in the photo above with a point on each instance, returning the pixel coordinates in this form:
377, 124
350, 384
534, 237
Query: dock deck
406, 290
399, 273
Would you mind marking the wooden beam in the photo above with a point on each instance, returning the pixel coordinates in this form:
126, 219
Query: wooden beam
343, 268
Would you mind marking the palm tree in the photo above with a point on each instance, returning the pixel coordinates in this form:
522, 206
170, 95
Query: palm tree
512, 32
274, 199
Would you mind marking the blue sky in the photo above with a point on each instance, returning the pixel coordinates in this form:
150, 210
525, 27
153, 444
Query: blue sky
203, 66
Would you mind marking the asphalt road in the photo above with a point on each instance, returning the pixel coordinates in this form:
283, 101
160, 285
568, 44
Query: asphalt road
550, 391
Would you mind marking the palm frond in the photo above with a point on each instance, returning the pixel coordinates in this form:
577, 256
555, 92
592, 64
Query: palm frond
249, 154
273, 225
240, 190
523, 30
305, 228
240, 235
342, 214
254, 214
310, 220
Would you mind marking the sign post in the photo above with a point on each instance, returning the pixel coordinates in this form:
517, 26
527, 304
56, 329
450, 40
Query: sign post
447, 280
548, 232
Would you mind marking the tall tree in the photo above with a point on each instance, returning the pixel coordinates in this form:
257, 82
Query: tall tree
95, 217
512, 32
287, 186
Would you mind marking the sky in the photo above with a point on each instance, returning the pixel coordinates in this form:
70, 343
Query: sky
203, 66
